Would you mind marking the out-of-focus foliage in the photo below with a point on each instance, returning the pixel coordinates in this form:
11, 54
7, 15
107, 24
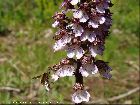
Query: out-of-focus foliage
126, 15
20, 12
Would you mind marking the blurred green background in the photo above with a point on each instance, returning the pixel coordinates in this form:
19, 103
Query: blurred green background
26, 51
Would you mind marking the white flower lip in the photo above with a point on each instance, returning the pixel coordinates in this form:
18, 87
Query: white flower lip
93, 23
88, 35
66, 70
93, 51
80, 96
102, 20
72, 51
97, 21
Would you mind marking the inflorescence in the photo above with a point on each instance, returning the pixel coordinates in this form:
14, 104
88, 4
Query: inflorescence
83, 26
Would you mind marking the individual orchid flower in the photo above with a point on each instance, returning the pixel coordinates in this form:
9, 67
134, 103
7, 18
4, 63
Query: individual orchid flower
66, 70
81, 15
77, 29
88, 35
80, 94
75, 50
61, 43
96, 21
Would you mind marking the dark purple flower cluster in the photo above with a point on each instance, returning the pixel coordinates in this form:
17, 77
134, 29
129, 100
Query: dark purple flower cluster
83, 26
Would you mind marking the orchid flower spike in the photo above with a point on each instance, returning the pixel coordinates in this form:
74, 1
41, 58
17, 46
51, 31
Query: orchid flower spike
82, 36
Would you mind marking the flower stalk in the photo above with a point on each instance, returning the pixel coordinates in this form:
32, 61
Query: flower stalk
78, 75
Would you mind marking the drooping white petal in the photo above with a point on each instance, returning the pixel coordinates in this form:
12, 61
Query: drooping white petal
55, 24
70, 52
83, 72
78, 30
102, 20
84, 18
86, 96
93, 51
81, 15
76, 98
94, 24
88, 35
95, 70
79, 53
91, 37
74, 2
66, 70
80, 96
55, 77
